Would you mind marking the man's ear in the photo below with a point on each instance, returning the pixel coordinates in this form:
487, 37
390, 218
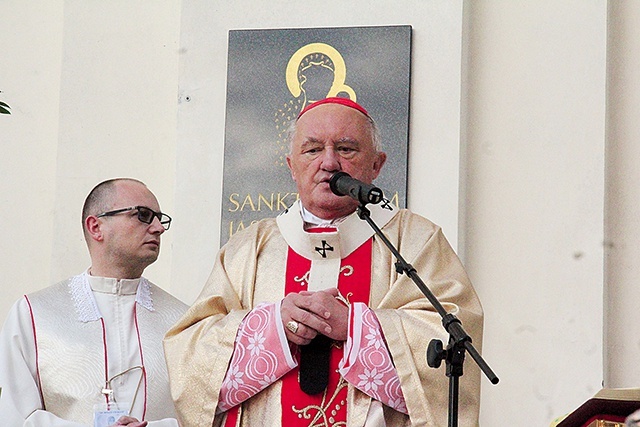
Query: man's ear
93, 225
378, 163
290, 168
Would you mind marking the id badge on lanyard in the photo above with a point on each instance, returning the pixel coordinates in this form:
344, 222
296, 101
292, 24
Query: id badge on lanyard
106, 414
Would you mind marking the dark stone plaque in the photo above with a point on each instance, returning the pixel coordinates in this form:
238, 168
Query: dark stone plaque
272, 74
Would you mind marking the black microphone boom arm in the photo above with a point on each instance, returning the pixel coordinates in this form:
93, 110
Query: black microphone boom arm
459, 341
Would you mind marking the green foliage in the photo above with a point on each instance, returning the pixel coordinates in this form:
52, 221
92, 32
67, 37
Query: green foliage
4, 108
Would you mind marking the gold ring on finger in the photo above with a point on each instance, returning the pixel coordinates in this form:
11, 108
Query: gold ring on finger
292, 325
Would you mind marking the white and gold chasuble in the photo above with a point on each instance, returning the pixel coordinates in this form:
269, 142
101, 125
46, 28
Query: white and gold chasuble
250, 269
80, 333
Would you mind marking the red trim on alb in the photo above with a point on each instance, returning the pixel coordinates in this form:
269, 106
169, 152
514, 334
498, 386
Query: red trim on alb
35, 344
106, 358
144, 371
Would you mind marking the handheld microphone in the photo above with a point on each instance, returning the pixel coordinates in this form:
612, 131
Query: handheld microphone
342, 184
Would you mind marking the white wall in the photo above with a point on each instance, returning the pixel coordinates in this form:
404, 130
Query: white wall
31, 46
98, 89
534, 201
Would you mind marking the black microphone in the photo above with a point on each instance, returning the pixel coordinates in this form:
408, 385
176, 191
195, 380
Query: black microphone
342, 184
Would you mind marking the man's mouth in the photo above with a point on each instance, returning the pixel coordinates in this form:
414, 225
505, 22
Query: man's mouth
326, 180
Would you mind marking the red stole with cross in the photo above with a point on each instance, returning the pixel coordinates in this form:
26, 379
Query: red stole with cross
328, 408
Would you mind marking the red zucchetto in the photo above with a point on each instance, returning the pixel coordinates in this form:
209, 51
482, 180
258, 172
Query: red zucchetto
335, 100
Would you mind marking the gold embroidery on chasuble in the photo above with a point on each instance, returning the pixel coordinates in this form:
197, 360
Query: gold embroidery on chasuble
324, 414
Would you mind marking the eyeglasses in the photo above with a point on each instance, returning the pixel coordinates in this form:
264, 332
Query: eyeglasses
145, 215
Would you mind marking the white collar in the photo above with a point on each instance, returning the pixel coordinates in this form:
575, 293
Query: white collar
83, 286
348, 237
110, 285
315, 221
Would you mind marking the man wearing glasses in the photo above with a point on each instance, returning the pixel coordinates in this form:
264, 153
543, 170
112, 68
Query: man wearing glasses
88, 351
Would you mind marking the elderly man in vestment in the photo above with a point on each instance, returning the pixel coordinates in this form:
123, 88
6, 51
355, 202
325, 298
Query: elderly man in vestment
88, 350
304, 320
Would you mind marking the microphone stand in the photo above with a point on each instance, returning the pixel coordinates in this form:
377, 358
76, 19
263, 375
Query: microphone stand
459, 341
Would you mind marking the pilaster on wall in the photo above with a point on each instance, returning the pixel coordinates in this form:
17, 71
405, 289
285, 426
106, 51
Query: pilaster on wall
532, 166
622, 198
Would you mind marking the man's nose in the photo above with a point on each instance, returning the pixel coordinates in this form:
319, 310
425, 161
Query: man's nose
156, 227
330, 160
